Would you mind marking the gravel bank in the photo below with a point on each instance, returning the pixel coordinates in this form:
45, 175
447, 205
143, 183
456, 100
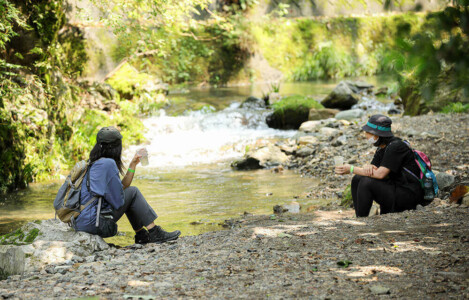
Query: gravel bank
411, 255
443, 137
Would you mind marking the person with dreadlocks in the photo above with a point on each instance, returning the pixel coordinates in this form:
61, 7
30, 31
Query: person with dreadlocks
387, 179
115, 197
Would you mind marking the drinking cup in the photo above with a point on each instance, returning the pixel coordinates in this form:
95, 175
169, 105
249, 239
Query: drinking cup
144, 158
338, 160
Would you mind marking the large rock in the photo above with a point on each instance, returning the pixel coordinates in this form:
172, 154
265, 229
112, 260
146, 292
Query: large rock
350, 114
38, 244
310, 126
288, 118
253, 103
320, 114
265, 157
359, 86
444, 180
342, 97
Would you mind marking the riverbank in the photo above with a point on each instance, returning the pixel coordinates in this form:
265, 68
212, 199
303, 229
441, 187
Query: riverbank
443, 137
325, 254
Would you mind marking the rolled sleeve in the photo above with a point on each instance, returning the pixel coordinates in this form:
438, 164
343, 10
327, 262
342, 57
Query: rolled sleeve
114, 194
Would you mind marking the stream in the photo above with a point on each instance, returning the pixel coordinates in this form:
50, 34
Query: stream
189, 181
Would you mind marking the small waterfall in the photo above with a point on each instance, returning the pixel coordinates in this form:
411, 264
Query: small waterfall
202, 137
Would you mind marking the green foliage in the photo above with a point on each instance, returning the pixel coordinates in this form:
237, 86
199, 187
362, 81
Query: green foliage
42, 127
432, 63
32, 235
19, 237
274, 87
308, 49
127, 81
326, 62
9, 17
347, 200
71, 52
457, 108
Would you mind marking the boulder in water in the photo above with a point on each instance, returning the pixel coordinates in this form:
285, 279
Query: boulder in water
265, 157
291, 112
359, 86
253, 103
288, 119
40, 243
341, 97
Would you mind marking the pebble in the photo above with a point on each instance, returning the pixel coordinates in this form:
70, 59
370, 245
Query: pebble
379, 290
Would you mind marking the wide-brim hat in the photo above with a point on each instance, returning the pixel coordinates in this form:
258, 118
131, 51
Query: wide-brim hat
108, 135
379, 125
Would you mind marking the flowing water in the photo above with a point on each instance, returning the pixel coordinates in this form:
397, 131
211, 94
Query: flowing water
189, 181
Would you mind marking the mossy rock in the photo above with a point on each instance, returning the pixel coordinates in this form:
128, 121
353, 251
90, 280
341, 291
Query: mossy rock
129, 82
19, 237
291, 112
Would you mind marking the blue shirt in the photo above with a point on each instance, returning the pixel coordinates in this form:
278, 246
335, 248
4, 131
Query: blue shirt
104, 182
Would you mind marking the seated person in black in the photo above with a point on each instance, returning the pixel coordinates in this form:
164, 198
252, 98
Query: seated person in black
386, 179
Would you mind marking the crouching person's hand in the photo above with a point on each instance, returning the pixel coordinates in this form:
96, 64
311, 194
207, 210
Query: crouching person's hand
341, 170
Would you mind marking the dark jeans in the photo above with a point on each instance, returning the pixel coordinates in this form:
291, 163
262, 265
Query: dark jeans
136, 208
390, 197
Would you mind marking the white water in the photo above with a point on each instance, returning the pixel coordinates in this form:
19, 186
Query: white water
205, 137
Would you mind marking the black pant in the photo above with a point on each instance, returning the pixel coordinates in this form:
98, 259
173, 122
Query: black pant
390, 197
136, 208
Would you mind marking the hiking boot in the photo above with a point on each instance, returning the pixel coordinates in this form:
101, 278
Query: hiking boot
142, 237
158, 235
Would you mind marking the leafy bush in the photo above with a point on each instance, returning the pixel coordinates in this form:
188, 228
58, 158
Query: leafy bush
455, 108
431, 63
347, 200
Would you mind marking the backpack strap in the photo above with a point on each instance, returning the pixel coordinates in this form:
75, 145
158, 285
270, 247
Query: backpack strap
98, 211
88, 178
82, 207
411, 173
